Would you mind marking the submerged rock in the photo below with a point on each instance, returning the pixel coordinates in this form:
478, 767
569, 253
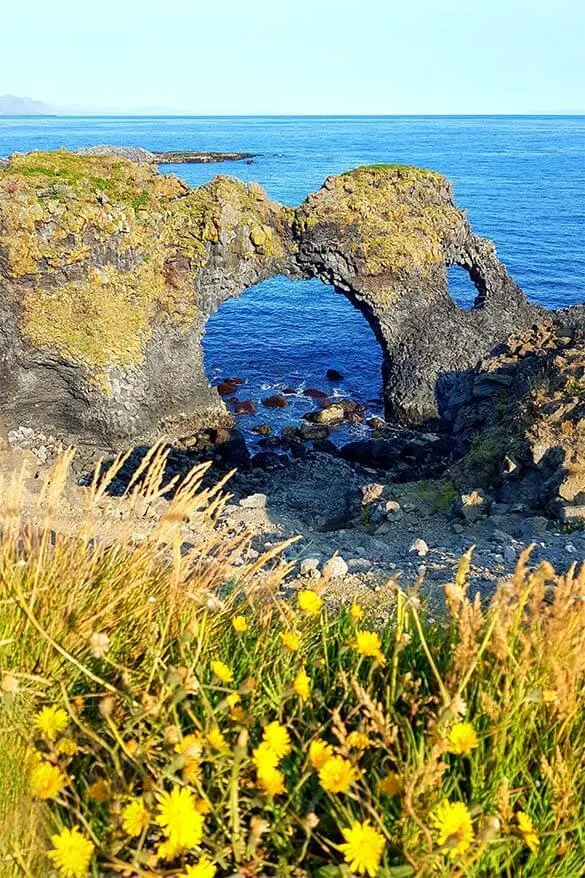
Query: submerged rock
275, 402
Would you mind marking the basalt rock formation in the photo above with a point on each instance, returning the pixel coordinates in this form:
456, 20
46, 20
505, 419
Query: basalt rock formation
109, 271
521, 430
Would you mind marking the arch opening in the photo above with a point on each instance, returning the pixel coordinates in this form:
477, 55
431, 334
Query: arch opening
462, 287
280, 338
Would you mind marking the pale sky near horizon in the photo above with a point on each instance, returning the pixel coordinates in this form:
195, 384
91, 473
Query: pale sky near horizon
299, 57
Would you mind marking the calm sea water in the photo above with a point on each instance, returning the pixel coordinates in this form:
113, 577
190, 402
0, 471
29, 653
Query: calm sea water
522, 180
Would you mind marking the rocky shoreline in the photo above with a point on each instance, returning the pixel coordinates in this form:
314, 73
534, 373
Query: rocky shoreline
108, 272
167, 157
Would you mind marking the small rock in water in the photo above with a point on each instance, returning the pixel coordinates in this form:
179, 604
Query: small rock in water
226, 389
314, 432
262, 429
253, 501
275, 402
420, 547
335, 568
314, 394
244, 407
334, 375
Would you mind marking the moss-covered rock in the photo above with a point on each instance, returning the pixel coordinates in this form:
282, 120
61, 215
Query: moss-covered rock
109, 270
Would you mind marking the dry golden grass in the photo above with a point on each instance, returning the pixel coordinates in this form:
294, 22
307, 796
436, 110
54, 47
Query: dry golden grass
419, 748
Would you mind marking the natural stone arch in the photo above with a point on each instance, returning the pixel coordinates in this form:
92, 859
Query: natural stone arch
108, 272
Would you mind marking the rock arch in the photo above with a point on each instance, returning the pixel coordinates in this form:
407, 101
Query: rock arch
109, 270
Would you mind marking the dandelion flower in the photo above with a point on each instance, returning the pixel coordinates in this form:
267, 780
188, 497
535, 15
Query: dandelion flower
358, 740
462, 739
66, 747
192, 770
222, 672
356, 612
239, 624
264, 757
390, 784
99, 644
277, 738
302, 685
528, 831
179, 818
271, 780
319, 753
309, 602
453, 826
337, 775
233, 699
368, 644
291, 640
135, 818
190, 746
71, 853
51, 722
47, 781
363, 848
216, 740
203, 869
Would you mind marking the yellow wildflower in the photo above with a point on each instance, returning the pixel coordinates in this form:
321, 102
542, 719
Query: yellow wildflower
356, 612
203, 806
135, 818
390, 784
179, 818
291, 640
66, 747
233, 699
319, 753
190, 746
363, 848
462, 739
239, 624
358, 740
203, 869
302, 685
51, 722
337, 775
264, 757
71, 853
222, 672
453, 826
277, 738
99, 790
47, 781
528, 831
216, 740
271, 780
309, 602
368, 644
192, 770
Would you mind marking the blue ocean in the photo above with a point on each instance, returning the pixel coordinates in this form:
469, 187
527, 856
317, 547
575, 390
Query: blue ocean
522, 180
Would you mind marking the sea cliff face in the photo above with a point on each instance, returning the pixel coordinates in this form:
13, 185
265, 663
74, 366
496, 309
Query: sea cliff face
109, 270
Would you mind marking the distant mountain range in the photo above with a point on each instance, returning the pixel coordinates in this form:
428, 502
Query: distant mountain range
11, 105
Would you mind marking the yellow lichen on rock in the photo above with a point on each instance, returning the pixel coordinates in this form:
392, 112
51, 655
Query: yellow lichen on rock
398, 217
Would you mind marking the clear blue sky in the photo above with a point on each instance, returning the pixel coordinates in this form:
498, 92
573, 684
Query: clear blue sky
298, 56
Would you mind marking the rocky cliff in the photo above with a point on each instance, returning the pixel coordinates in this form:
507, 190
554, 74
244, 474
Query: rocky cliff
109, 270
